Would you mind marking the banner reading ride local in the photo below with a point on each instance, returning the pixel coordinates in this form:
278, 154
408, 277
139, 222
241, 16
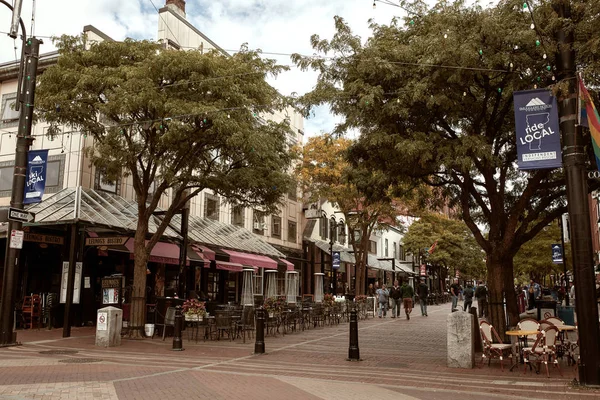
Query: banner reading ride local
35, 180
536, 124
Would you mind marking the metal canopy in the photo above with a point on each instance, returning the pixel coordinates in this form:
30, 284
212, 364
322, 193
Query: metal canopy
346, 255
105, 210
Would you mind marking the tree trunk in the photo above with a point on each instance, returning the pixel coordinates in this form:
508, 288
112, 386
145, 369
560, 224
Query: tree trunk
512, 308
138, 298
495, 283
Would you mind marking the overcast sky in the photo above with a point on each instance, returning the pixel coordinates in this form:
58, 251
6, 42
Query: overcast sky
278, 26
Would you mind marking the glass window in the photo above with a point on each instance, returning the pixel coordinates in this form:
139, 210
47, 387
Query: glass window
324, 227
386, 248
6, 178
258, 222
341, 232
275, 226
237, 216
401, 254
292, 193
102, 183
395, 252
372, 247
211, 206
10, 117
292, 232
258, 281
54, 175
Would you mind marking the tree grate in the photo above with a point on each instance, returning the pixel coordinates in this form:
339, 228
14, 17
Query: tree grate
80, 360
58, 352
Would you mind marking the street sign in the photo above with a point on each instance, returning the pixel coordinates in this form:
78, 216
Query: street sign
336, 260
557, 253
15, 214
16, 239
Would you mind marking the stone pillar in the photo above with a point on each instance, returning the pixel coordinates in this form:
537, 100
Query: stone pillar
461, 346
108, 327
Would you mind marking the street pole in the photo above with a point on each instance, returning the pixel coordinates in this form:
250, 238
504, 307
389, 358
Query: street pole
562, 242
24, 141
182, 290
577, 198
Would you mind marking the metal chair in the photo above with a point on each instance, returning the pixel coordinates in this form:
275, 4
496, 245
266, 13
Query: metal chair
169, 321
223, 324
246, 324
492, 349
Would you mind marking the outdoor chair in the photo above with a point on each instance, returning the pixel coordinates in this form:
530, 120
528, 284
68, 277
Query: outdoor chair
223, 324
545, 324
544, 349
32, 311
246, 324
492, 349
529, 324
169, 320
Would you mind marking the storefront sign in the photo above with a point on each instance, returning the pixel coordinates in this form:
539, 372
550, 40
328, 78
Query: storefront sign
65, 280
16, 239
106, 241
111, 282
34, 237
336, 260
35, 178
536, 124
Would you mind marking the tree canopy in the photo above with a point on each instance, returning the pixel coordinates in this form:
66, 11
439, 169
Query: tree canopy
431, 95
173, 123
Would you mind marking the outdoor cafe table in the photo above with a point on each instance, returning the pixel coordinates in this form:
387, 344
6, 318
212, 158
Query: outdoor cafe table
520, 334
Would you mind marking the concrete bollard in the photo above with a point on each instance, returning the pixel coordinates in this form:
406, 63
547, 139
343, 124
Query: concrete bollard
177, 343
259, 345
353, 350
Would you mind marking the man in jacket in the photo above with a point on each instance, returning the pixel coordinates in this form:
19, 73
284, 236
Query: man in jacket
407, 298
454, 291
481, 296
468, 294
383, 297
396, 297
423, 292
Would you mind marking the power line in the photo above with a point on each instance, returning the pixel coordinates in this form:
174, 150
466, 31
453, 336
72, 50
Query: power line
165, 22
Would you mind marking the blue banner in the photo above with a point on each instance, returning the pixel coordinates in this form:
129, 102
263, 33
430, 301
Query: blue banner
536, 125
336, 260
557, 254
35, 180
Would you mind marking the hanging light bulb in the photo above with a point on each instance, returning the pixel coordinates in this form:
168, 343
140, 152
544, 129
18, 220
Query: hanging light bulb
480, 52
445, 36
516, 47
525, 6
537, 42
549, 68
532, 26
511, 65
374, 5
553, 78
544, 56
499, 90
412, 22
464, 94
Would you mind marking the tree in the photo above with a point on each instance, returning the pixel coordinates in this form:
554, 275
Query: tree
172, 122
432, 97
325, 174
455, 249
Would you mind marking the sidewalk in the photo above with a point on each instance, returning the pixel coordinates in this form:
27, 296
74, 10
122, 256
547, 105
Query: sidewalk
401, 360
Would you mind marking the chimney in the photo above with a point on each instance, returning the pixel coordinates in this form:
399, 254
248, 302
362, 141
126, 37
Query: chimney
177, 6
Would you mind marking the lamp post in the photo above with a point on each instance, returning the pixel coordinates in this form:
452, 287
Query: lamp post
333, 226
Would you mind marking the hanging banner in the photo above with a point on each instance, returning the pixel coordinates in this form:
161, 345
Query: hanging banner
423, 270
536, 125
557, 253
35, 178
336, 260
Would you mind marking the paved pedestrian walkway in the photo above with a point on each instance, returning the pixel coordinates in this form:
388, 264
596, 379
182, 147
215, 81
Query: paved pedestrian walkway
400, 360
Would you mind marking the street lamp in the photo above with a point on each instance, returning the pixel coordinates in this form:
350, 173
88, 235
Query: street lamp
333, 227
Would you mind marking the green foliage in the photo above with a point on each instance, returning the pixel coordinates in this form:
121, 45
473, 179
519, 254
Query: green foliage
456, 247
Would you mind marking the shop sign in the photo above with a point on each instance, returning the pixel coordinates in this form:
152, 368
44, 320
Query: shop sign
106, 241
111, 282
34, 237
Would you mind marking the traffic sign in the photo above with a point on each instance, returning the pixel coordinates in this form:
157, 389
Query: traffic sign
15, 214
16, 239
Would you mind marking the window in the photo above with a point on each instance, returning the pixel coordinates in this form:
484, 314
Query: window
401, 254
341, 232
395, 251
386, 248
372, 247
293, 191
258, 281
211, 206
102, 183
292, 232
276, 226
10, 117
258, 222
237, 216
54, 175
324, 227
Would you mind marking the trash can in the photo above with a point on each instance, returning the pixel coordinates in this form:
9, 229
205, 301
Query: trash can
149, 330
567, 314
546, 309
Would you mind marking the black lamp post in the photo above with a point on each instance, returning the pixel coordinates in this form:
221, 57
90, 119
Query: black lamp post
333, 226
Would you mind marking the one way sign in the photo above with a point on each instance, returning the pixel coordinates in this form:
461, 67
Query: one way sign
15, 214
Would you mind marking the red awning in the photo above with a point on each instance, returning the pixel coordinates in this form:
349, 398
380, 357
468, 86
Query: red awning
204, 252
253, 260
289, 265
229, 266
167, 253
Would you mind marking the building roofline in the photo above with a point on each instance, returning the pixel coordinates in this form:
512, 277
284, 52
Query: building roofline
192, 27
92, 28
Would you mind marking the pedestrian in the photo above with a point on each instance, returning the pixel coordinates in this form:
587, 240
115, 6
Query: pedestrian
454, 291
407, 298
423, 292
533, 293
468, 295
396, 298
481, 296
572, 294
383, 296
370, 290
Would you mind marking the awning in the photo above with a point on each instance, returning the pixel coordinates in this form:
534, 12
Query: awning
229, 266
289, 265
253, 260
345, 253
167, 253
204, 252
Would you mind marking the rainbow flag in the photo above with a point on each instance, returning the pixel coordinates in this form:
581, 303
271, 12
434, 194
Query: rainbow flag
593, 120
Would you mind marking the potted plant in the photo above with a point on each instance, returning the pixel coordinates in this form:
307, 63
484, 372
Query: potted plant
272, 306
328, 300
194, 310
361, 299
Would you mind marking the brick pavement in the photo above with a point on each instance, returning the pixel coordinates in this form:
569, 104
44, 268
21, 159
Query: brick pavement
401, 360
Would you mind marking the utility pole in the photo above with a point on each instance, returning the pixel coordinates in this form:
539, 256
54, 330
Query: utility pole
562, 242
24, 141
578, 204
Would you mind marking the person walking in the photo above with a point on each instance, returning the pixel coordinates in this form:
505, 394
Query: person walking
481, 296
423, 292
407, 298
383, 296
468, 295
533, 293
396, 298
572, 294
454, 291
